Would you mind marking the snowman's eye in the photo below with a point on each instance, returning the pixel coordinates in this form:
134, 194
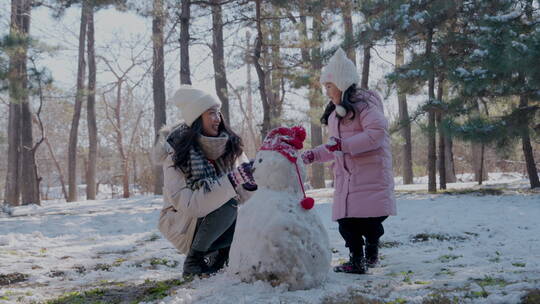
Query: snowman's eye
260, 160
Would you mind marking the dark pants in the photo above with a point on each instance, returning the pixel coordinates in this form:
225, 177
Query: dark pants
353, 230
215, 230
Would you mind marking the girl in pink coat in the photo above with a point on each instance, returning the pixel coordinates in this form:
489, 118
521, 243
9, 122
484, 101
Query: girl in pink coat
359, 145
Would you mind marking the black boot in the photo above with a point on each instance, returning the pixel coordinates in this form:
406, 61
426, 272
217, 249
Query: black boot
356, 264
195, 265
220, 260
372, 254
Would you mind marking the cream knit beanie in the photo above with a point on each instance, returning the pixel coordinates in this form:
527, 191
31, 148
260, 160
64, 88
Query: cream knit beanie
340, 71
193, 102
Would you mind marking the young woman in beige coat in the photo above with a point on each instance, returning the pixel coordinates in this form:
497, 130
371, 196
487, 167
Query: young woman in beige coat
206, 175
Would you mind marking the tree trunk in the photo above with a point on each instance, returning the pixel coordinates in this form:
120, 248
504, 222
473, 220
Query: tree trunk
185, 74
58, 168
12, 190
316, 100
158, 80
74, 131
432, 151
125, 177
365, 67
23, 170
346, 10
477, 152
406, 149
449, 161
442, 142
527, 147
261, 74
218, 58
91, 190
253, 146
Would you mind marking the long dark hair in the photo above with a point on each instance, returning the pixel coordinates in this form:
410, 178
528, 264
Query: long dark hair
347, 102
183, 139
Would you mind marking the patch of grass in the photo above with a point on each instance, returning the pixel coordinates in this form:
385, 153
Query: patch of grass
154, 237
159, 290
448, 257
12, 278
531, 297
351, 296
440, 299
10, 252
164, 262
389, 244
407, 276
479, 192
445, 271
477, 294
397, 301
490, 281
120, 293
93, 296
424, 237
519, 264
497, 258
118, 262
56, 273
79, 269
103, 267
422, 282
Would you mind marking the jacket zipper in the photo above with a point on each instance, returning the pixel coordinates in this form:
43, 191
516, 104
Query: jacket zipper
346, 170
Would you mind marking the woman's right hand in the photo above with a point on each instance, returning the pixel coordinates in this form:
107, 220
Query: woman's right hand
242, 175
308, 157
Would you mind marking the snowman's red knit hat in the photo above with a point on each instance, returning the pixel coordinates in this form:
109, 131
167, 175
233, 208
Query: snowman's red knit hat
287, 141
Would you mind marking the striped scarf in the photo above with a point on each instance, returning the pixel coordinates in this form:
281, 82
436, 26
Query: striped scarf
199, 171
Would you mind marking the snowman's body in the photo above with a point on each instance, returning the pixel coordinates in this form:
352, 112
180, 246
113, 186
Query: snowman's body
276, 240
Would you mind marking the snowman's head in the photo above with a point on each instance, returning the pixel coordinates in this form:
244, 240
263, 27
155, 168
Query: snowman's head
276, 164
274, 171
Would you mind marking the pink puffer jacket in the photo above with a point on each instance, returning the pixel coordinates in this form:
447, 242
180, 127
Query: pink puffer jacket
363, 175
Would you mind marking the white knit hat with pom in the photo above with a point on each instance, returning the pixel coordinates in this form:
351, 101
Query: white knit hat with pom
340, 71
193, 102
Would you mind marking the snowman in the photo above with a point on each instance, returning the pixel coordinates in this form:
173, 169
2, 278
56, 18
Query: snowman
278, 238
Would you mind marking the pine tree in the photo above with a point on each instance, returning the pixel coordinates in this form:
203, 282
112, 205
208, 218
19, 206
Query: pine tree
504, 38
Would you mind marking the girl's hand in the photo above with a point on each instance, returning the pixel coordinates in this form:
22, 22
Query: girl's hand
308, 157
333, 144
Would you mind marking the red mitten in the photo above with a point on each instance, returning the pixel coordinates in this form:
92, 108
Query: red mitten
307, 157
333, 144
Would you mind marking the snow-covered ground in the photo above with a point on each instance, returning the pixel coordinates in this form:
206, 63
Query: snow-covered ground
478, 248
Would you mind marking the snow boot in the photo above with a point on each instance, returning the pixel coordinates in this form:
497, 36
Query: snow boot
195, 265
372, 254
356, 264
219, 260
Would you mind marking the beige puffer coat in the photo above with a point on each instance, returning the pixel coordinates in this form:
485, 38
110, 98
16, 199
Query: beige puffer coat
181, 205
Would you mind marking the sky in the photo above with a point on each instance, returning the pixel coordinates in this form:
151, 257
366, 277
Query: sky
110, 24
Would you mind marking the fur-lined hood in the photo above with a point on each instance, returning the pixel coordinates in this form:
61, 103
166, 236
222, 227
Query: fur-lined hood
162, 149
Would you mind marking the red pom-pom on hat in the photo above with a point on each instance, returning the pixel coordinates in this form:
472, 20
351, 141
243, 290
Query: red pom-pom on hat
307, 203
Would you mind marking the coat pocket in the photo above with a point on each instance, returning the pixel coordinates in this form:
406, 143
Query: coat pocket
173, 225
